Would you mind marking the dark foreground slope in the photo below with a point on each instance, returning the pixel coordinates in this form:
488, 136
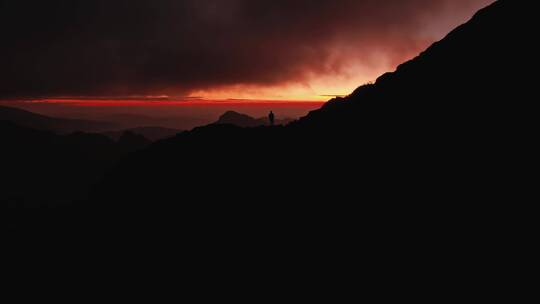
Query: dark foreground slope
444, 129
479, 76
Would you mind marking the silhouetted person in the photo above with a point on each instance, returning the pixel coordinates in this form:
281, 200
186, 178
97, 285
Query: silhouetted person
272, 118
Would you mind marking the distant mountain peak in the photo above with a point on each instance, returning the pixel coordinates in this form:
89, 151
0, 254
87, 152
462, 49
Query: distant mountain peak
238, 119
234, 115
246, 121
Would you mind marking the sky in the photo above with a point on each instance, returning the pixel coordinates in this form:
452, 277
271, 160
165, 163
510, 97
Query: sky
117, 53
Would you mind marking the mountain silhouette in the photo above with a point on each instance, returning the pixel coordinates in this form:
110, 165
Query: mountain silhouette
57, 125
445, 135
460, 82
439, 124
246, 121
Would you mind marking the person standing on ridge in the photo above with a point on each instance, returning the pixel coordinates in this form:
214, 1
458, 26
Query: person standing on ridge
271, 118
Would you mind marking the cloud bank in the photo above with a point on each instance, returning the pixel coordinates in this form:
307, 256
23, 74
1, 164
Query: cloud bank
177, 47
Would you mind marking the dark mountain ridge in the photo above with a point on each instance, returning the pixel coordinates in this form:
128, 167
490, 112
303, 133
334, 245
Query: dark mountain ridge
41, 169
466, 75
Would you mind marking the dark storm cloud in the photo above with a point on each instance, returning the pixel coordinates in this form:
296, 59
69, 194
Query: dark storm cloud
134, 47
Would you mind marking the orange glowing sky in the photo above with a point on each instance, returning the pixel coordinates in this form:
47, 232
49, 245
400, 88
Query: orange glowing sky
202, 52
315, 88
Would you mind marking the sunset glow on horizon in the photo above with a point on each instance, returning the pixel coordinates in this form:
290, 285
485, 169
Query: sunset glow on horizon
199, 102
290, 51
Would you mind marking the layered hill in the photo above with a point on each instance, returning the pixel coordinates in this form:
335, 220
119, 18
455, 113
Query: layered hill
58, 125
43, 169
